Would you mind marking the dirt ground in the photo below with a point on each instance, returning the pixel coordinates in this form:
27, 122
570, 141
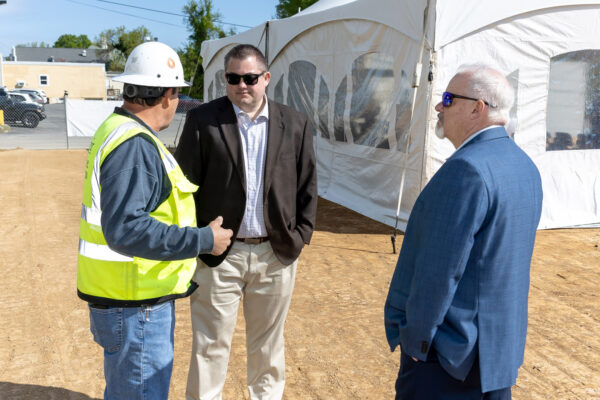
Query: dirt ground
335, 340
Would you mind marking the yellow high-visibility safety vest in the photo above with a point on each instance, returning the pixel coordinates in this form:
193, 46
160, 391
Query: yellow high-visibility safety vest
103, 273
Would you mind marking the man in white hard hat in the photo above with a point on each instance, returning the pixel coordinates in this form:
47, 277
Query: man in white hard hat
138, 236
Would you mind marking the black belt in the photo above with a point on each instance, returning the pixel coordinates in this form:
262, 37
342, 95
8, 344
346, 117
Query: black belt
257, 240
100, 306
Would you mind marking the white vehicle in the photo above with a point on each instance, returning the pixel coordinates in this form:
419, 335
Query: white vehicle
24, 97
37, 92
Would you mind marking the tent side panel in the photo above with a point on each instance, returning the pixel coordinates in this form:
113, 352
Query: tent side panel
525, 49
353, 80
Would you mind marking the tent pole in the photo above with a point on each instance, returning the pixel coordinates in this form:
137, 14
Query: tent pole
415, 85
65, 96
267, 43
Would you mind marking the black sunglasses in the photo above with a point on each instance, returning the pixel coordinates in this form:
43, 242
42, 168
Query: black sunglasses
447, 98
249, 79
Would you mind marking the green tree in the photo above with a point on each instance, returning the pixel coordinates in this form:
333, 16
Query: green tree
287, 8
73, 41
116, 44
201, 20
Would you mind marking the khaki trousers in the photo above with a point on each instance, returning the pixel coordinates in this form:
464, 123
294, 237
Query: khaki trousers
252, 273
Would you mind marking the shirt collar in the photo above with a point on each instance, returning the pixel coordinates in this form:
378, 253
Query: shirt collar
263, 113
476, 134
126, 113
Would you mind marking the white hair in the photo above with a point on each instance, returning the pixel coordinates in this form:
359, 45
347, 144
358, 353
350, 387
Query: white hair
487, 83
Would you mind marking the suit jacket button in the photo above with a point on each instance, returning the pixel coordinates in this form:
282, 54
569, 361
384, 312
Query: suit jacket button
424, 346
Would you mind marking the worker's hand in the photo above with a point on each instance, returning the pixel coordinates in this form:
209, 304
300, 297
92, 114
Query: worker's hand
221, 236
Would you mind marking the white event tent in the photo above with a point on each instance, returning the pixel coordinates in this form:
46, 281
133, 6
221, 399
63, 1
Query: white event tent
368, 73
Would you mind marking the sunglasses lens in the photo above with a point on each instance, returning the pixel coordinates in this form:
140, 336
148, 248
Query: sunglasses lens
233, 79
446, 99
251, 79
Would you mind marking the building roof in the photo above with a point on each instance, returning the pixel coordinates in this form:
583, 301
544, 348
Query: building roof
53, 54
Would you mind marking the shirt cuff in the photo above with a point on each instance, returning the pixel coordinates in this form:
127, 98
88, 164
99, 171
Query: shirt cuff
206, 240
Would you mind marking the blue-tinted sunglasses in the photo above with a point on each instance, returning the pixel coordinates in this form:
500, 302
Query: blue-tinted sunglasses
447, 98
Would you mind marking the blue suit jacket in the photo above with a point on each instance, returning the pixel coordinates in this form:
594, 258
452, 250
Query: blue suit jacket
462, 278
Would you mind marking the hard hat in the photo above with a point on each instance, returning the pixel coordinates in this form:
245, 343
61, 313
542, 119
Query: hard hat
153, 64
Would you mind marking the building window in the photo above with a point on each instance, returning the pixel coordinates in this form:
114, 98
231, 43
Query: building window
43, 80
573, 114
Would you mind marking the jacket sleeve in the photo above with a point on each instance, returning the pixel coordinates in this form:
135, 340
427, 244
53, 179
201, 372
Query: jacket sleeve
448, 215
307, 190
134, 183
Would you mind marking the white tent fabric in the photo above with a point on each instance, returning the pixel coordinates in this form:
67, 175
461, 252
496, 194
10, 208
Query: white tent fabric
85, 116
349, 65
459, 18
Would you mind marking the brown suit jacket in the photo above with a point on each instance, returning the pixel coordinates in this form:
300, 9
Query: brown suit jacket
210, 154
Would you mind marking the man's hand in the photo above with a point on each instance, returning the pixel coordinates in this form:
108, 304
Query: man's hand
221, 236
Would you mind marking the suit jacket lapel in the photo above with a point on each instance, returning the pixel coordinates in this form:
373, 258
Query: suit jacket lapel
274, 140
231, 136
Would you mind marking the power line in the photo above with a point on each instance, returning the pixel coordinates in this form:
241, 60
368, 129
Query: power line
229, 23
142, 8
166, 12
122, 13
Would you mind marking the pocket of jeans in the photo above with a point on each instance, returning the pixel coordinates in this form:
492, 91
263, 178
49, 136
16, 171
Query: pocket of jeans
107, 327
157, 313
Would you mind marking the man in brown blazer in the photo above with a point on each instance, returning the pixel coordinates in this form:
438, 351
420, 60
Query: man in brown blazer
254, 162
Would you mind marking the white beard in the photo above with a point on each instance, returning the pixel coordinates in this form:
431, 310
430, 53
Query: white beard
439, 130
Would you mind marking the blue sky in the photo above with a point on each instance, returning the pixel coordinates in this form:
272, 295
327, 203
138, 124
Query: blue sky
27, 21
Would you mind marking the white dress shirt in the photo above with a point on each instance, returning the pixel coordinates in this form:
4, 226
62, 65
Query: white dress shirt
254, 136
476, 134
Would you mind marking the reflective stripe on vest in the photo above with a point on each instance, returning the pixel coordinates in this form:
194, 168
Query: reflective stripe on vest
105, 273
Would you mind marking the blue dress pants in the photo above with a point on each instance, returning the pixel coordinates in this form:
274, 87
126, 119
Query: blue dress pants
427, 380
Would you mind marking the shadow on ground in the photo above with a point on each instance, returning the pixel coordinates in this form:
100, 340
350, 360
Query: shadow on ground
19, 391
332, 217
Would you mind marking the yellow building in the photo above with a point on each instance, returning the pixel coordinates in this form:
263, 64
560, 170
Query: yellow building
80, 72
80, 80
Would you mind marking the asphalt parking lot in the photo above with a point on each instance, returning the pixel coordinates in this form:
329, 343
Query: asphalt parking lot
51, 133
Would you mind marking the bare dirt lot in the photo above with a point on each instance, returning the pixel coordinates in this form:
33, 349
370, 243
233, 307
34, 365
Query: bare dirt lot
335, 341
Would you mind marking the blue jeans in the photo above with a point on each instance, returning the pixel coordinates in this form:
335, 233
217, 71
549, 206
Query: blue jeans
138, 350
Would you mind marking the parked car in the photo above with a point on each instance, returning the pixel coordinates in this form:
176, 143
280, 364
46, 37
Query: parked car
186, 103
25, 97
38, 92
27, 114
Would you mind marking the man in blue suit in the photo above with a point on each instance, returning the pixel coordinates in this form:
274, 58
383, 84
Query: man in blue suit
457, 303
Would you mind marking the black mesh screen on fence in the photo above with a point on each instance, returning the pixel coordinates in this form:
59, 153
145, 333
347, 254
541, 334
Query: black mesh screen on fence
22, 108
